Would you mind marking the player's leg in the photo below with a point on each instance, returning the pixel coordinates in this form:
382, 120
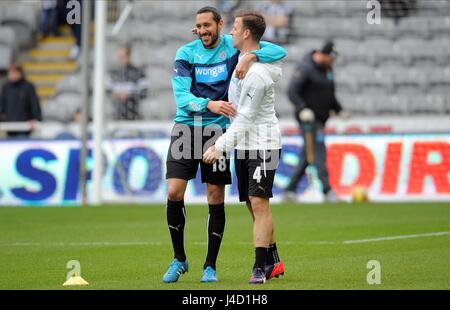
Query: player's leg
216, 177
274, 266
216, 226
263, 225
176, 219
176, 216
249, 207
270, 257
260, 175
261, 178
179, 170
242, 173
262, 234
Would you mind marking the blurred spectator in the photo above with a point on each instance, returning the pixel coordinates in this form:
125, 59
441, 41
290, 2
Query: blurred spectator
397, 9
61, 17
77, 116
49, 18
277, 15
19, 101
312, 92
76, 28
127, 85
227, 8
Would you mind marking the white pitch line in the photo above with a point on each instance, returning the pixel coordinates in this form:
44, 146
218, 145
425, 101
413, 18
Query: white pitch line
434, 234
62, 244
197, 243
322, 242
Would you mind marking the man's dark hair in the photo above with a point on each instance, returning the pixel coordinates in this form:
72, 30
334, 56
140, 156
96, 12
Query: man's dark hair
209, 9
253, 21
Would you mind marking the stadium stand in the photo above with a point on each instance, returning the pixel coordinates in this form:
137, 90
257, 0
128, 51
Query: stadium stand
394, 68
380, 70
22, 18
5, 57
383, 67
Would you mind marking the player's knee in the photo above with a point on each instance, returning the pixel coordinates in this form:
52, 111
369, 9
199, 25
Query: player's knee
259, 205
215, 195
175, 194
215, 199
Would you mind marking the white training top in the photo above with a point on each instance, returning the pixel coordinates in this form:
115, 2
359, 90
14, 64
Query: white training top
255, 126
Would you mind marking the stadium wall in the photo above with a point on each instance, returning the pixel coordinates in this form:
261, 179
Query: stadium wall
394, 168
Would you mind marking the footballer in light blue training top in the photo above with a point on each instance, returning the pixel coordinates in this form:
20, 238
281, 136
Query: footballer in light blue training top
201, 75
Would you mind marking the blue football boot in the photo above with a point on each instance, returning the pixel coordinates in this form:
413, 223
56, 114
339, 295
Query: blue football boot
209, 275
176, 269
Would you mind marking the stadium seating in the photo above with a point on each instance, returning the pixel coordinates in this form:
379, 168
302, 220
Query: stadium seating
6, 54
395, 105
397, 67
7, 37
62, 107
392, 68
387, 29
23, 19
70, 84
160, 78
381, 69
160, 106
432, 104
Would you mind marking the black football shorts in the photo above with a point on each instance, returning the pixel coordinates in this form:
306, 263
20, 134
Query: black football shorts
185, 153
255, 172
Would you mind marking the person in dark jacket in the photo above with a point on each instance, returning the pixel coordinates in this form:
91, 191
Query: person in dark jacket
19, 101
312, 92
127, 85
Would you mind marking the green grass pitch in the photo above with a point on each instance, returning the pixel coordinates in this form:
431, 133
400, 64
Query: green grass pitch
128, 247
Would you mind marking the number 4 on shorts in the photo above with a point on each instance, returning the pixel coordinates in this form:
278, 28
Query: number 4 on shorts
257, 174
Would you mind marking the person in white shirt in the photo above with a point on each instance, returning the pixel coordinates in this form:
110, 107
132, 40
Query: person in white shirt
255, 134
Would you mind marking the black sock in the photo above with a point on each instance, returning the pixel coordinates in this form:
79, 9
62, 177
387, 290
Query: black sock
260, 257
216, 226
176, 220
272, 254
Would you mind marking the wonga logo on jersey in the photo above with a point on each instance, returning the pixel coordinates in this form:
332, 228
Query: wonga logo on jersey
211, 74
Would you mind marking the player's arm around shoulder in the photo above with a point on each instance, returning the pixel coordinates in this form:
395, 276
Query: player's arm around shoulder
269, 52
244, 65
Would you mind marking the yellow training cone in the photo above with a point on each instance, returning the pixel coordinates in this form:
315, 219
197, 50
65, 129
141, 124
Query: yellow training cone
75, 281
